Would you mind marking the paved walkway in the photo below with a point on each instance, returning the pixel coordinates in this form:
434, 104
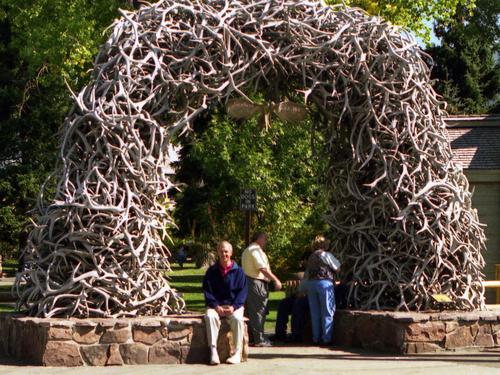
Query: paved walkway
302, 360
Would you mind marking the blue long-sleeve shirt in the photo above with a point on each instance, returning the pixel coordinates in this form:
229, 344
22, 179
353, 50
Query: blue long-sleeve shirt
229, 290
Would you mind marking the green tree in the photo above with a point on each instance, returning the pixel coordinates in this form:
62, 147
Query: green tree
43, 43
415, 15
467, 65
223, 156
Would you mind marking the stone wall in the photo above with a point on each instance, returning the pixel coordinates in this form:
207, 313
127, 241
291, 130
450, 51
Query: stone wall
105, 342
410, 333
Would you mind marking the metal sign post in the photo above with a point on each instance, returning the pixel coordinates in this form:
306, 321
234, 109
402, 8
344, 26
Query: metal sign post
248, 203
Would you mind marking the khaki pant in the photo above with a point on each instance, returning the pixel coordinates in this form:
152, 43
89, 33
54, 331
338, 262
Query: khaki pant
256, 305
236, 322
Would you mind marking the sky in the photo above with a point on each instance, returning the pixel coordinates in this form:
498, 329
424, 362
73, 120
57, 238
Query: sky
434, 39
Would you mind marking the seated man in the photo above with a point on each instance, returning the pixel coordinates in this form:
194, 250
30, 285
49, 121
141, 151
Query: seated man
225, 289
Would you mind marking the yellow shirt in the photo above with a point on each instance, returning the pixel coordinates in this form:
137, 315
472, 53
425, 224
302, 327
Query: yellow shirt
252, 260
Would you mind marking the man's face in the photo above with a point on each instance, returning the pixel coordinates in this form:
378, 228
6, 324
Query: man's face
261, 241
225, 252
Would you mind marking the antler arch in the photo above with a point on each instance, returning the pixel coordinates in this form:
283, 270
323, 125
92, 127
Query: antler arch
400, 216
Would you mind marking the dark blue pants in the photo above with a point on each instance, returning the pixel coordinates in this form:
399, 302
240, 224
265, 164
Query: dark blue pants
298, 308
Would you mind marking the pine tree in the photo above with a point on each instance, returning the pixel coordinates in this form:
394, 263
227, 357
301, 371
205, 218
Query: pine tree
467, 64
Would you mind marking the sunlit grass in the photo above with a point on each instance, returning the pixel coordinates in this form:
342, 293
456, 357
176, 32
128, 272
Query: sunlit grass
5, 288
188, 281
6, 308
9, 267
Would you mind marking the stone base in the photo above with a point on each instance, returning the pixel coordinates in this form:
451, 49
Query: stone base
105, 342
411, 332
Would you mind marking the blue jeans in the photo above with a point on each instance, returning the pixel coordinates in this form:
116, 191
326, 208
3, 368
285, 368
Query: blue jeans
322, 307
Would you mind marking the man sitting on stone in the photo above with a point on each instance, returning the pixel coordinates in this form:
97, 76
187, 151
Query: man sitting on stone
225, 289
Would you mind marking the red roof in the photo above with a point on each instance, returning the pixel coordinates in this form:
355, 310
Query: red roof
475, 141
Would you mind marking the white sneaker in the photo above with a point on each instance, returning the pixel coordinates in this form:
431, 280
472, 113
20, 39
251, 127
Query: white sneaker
214, 357
235, 358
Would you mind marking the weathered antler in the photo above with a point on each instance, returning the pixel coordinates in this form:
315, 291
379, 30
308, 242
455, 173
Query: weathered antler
401, 216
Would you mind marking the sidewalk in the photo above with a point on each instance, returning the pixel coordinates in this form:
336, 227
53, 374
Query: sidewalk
302, 360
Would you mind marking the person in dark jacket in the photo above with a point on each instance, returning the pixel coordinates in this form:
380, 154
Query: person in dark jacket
225, 290
321, 267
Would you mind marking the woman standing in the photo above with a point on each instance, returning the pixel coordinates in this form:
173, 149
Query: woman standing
321, 267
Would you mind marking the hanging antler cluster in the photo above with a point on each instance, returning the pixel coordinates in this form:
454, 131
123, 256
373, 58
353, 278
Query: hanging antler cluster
401, 214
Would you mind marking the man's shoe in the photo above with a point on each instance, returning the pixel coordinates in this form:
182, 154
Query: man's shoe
214, 357
277, 338
294, 339
234, 359
263, 344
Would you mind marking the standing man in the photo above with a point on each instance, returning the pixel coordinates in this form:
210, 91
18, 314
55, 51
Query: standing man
256, 267
181, 256
225, 290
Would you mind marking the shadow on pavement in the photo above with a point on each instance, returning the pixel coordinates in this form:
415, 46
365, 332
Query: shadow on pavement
485, 356
7, 361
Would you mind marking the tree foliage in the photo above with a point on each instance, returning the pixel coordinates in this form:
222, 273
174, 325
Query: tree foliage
223, 156
416, 15
43, 43
467, 64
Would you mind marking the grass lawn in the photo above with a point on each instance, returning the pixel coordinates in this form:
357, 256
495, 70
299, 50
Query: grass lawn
6, 308
188, 281
9, 267
5, 288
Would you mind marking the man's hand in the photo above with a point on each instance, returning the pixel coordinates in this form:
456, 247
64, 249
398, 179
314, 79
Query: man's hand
277, 284
228, 309
271, 276
225, 310
220, 310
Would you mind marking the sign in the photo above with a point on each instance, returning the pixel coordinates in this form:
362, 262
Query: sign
441, 298
248, 200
